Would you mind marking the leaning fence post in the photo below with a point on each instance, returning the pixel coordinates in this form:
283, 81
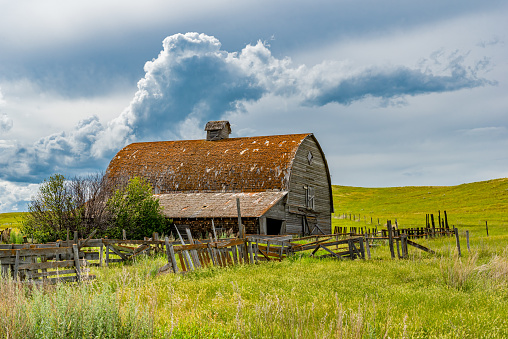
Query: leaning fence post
457, 239
487, 227
171, 255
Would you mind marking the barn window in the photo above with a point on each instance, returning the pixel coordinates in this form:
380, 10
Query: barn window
310, 157
309, 197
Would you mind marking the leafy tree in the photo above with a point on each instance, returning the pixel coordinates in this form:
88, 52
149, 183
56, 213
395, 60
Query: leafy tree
52, 211
135, 209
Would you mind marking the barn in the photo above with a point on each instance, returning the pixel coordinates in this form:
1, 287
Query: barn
282, 181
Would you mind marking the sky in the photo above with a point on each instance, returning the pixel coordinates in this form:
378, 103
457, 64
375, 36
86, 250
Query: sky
398, 93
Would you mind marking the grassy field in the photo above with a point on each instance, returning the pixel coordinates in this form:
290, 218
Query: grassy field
468, 206
10, 220
425, 296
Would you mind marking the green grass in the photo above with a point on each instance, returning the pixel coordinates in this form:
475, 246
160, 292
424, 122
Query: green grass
468, 206
423, 297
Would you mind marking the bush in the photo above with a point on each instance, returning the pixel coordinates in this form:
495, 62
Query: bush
78, 204
135, 209
52, 211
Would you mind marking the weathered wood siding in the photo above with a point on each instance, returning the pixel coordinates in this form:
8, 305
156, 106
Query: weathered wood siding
304, 174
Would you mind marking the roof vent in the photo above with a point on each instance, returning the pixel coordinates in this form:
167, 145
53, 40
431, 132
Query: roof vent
217, 130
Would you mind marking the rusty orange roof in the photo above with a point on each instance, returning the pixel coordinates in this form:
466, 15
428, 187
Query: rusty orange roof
217, 205
252, 164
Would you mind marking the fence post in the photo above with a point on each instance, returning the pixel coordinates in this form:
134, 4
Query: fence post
403, 243
76, 261
171, 255
487, 227
467, 239
16, 266
101, 248
367, 245
457, 239
362, 248
433, 226
390, 238
107, 255
241, 232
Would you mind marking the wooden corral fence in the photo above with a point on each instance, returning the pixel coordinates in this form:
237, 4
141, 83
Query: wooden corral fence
352, 247
43, 263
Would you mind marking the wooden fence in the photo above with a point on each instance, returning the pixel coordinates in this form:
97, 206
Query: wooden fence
43, 263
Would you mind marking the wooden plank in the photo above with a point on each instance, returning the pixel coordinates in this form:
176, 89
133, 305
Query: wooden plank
332, 253
50, 265
187, 256
251, 255
16, 265
213, 229
421, 247
182, 263
51, 273
235, 254
241, 231
117, 252
36, 251
87, 239
194, 254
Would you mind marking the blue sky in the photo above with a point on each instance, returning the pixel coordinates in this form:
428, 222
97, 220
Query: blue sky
397, 92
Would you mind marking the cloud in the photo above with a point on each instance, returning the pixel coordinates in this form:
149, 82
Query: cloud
398, 82
15, 196
191, 77
5, 123
193, 80
60, 152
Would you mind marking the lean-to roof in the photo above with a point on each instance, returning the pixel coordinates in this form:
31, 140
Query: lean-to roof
252, 164
217, 205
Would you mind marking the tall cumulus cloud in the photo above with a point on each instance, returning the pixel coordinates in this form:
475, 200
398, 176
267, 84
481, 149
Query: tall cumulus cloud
193, 80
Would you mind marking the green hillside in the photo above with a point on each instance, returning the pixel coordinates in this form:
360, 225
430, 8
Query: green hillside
467, 205
10, 220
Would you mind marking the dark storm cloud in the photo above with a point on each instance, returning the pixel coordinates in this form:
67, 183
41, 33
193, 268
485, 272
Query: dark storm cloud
396, 83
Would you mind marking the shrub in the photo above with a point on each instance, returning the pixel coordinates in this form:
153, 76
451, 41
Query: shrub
135, 209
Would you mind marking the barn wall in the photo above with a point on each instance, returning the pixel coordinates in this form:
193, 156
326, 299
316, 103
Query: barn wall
314, 175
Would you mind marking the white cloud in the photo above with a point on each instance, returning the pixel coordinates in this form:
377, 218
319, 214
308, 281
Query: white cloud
14, 196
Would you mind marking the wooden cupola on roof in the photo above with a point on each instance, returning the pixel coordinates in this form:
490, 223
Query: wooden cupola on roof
217, 130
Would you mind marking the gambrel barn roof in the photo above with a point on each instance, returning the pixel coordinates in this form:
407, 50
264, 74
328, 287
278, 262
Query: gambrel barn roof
251, 164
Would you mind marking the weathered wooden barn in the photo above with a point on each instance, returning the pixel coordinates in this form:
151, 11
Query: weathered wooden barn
282, 181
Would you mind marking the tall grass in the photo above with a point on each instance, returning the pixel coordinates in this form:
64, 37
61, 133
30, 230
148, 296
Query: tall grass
441, 296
